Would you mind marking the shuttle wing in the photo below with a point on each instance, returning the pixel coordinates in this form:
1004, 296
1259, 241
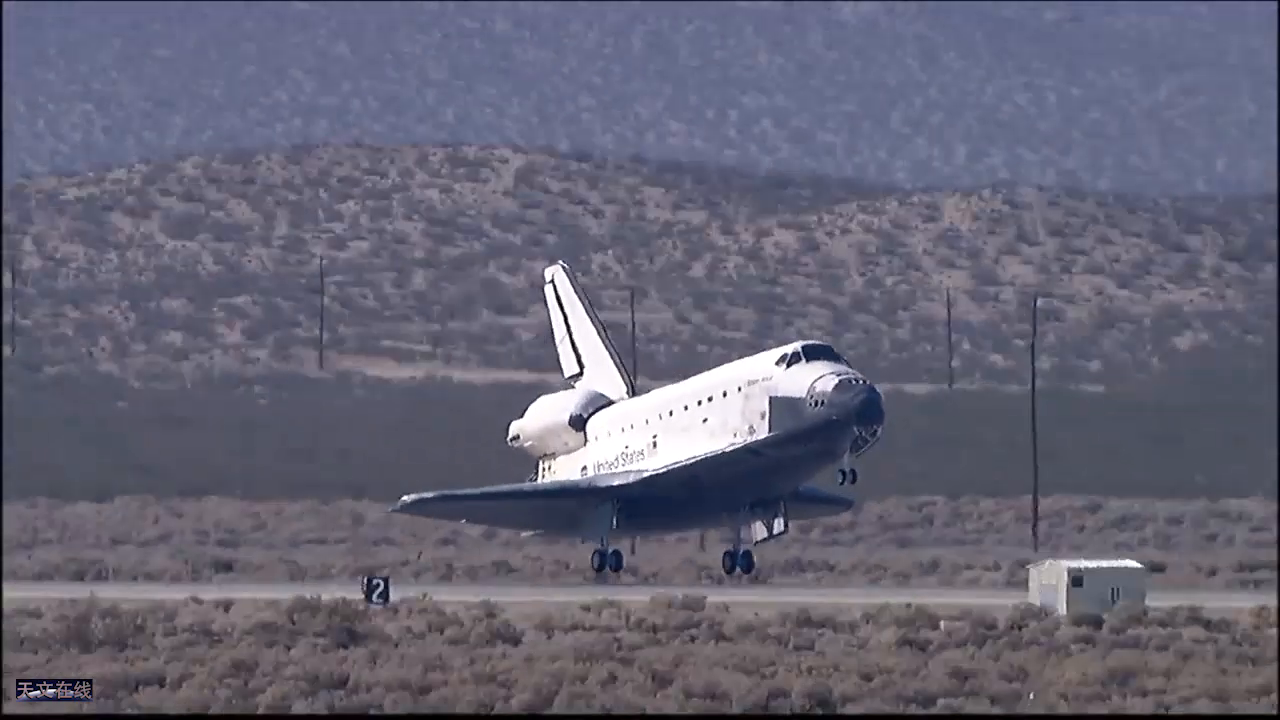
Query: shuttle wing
561, 505
587, 356
517, 506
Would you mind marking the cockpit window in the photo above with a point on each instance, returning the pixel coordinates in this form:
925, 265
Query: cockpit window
789, 359
821, 352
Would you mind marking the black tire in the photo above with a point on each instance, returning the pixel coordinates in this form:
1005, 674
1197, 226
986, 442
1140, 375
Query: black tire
599, 559
616, 561
747, 562
729, 562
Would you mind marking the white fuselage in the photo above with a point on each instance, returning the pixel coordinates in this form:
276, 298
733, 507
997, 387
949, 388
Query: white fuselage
707, 413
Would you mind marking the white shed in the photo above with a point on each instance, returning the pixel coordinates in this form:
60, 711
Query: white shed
1091, 586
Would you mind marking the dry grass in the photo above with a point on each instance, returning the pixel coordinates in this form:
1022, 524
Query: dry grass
673, 654
919, 541
173, 272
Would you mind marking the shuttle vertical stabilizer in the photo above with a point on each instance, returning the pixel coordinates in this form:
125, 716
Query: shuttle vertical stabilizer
588, 358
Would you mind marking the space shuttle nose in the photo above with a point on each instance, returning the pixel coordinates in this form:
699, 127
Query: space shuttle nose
862, 398
870, 408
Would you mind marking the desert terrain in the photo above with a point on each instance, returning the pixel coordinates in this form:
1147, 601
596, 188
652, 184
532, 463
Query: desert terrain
175, 175
167, 318
207, 266
895, 541
166, 346
675, 654
165, 349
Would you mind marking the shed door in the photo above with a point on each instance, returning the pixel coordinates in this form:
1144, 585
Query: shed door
1048, 595
1115, 596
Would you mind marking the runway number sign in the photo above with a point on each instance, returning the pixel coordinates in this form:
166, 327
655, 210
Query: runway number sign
376, 589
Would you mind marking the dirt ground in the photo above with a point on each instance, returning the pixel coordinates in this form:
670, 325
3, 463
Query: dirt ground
903, 541
673, 654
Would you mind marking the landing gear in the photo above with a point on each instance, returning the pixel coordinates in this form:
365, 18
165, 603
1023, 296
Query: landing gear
607, 559
846, 473
766, 521
743, 561
605, 521
737, 558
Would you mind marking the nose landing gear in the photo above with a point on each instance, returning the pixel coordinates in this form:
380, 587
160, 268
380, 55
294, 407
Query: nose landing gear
847, 476
846, 473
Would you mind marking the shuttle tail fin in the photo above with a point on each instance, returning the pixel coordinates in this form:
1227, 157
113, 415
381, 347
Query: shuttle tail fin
587, 357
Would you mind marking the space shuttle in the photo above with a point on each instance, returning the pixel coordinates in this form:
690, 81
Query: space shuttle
748, 447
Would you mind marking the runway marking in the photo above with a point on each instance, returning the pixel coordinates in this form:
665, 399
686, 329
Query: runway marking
458, 593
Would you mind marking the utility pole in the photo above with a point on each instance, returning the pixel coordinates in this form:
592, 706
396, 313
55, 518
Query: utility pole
1035, 439
951, 366
13, 304
322, 298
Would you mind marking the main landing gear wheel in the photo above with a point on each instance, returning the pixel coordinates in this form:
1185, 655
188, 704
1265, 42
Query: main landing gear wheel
611, 560
729, 562
743, 561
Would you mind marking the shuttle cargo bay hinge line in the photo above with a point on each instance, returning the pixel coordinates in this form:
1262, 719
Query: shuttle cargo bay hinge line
742, 447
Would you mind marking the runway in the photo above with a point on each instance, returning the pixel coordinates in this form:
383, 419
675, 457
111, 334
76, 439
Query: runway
757, 595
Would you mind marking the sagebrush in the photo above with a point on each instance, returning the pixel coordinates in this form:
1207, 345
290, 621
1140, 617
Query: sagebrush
673, 654
896, 541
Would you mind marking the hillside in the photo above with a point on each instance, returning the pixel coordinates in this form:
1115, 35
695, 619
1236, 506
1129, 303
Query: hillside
1153, 97
167, 273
